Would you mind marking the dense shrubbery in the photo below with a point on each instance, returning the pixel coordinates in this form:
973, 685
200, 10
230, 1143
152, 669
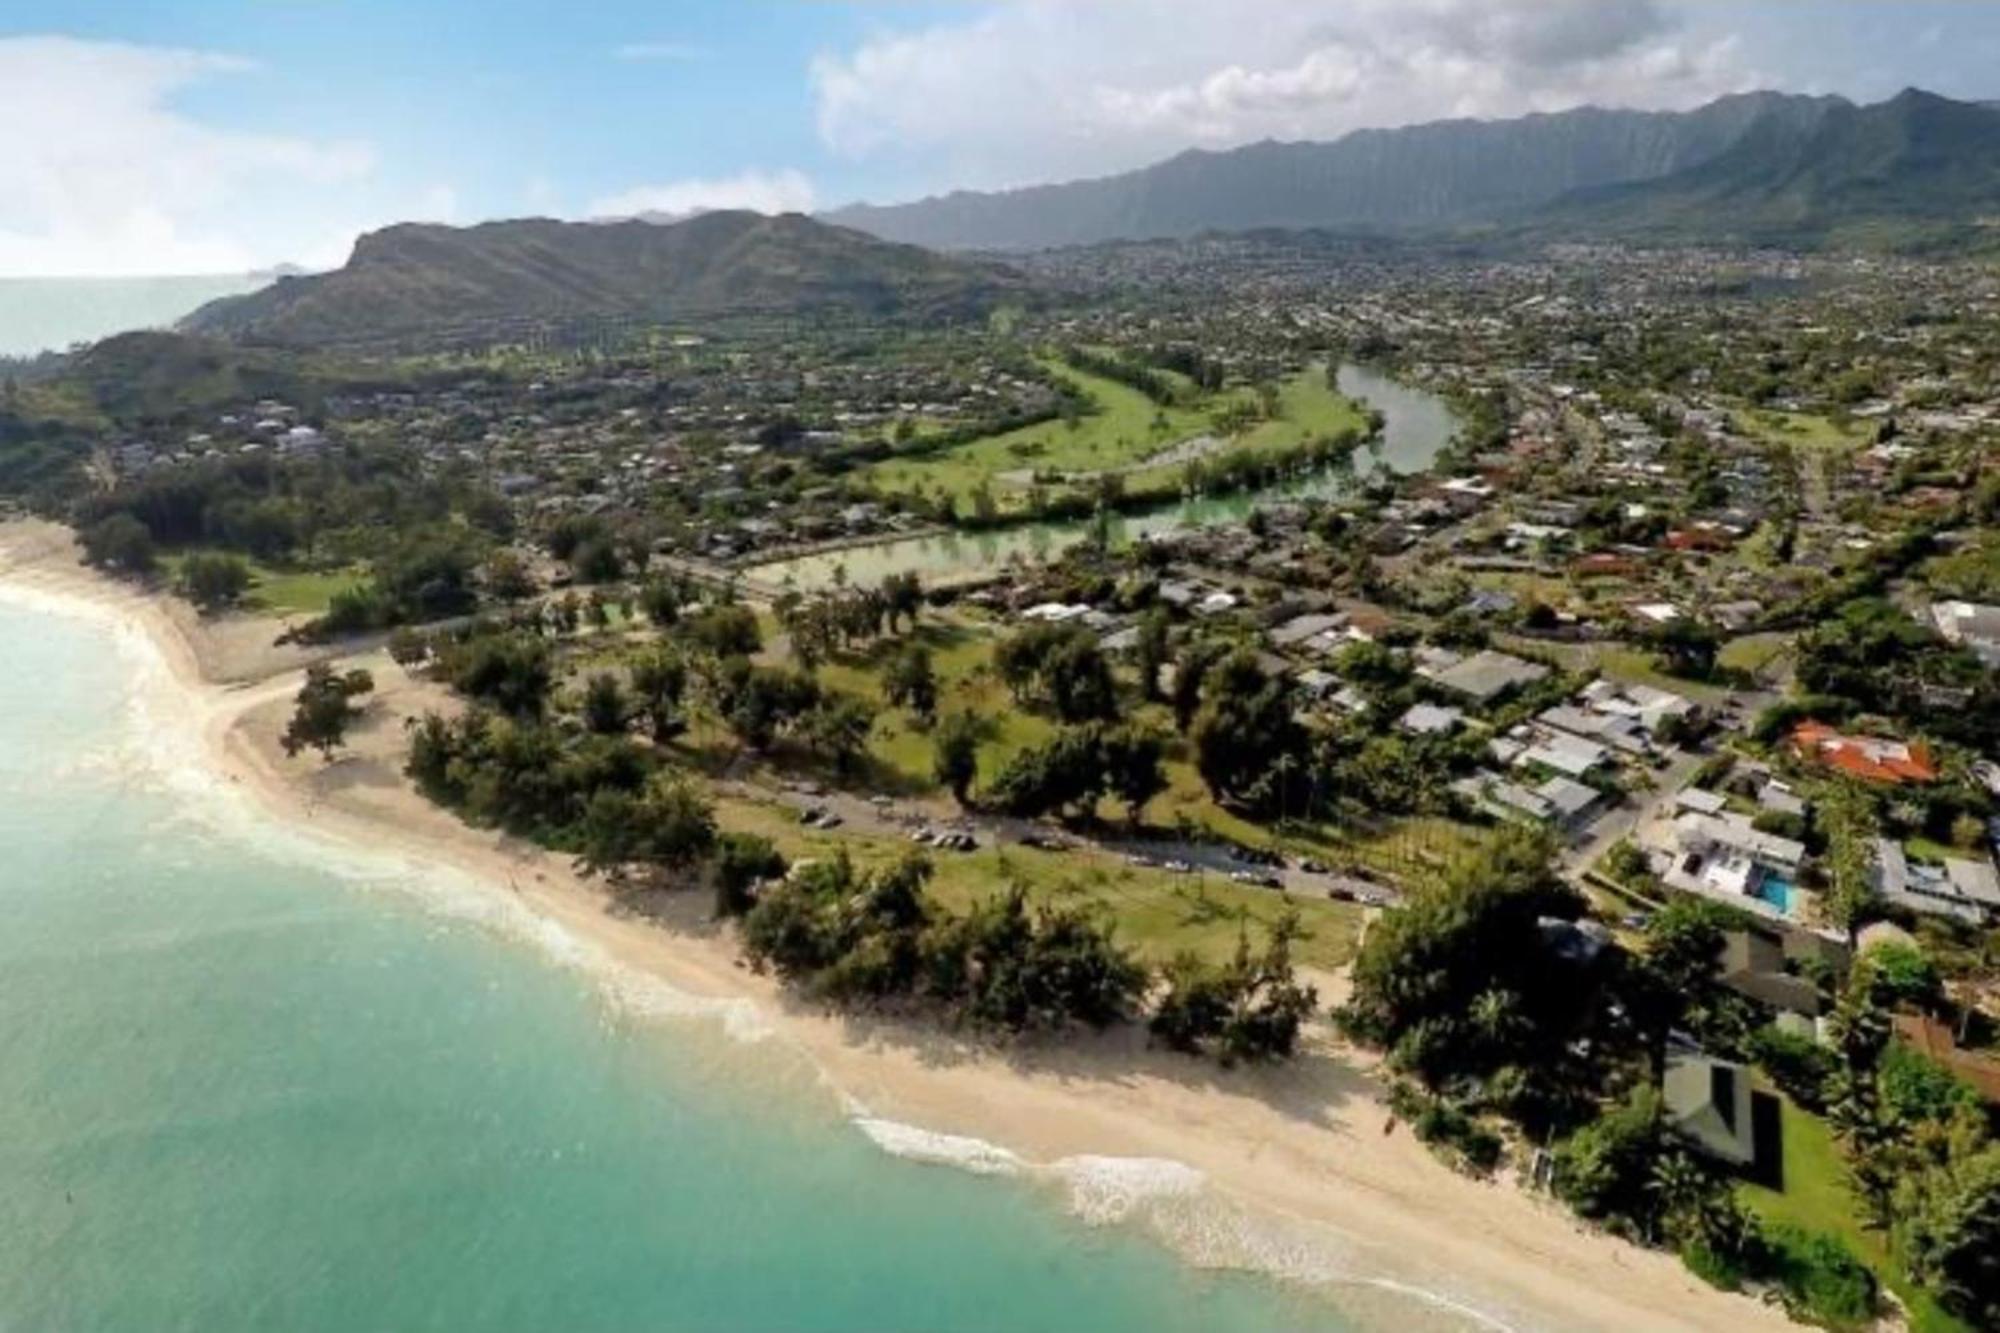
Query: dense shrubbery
1078, 767
848, 935
1460, 988
1248, 1009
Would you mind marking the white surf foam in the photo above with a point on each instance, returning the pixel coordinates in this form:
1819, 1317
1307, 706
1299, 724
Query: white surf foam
922, 1145
1178, 1206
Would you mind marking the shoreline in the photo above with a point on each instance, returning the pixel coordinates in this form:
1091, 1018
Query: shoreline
1288, 1171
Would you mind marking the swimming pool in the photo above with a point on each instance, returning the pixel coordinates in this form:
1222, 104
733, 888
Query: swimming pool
1776, 891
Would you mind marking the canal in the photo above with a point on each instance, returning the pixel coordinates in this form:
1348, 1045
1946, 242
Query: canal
1416, 425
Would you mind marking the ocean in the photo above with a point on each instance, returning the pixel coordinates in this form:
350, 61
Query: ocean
50, 314
254, 1080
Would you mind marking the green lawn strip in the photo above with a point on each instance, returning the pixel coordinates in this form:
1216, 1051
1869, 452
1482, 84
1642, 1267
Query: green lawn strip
1810, 430
283, 591
1754, 652
1817, 1197
1635, 666
1158, 913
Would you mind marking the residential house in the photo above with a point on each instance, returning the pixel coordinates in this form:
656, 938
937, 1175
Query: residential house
1711, 1105
1753, 964
1485, 676
1967, 891
1723, 855
1972, 626
1869, 758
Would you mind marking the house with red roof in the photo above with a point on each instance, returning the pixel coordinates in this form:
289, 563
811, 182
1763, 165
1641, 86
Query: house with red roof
1869, 758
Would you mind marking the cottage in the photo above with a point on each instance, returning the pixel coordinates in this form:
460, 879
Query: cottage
1710, 1104
1431, 720
1572, 756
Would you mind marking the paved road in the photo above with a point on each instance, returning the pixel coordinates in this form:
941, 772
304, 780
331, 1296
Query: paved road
1619, 821
877, 817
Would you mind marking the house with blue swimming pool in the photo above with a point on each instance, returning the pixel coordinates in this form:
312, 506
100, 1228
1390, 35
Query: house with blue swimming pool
1720, 854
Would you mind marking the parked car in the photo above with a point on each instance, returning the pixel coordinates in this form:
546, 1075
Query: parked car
1180, 867
1259, 878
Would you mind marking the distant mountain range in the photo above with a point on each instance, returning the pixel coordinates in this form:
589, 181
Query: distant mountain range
1756, 167
1915, 172
418, 283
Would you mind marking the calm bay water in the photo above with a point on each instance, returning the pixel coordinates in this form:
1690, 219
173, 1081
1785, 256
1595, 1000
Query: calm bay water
49, 314
240, 1090
1416, 425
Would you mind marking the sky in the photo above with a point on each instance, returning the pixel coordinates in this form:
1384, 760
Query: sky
206, 136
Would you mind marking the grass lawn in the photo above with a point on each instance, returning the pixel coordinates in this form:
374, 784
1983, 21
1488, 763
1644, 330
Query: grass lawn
298, 592
1635, 666
961, 657
282, 591
1157, 913
1806, 430
1126, 429
1816, 1198
1754, 652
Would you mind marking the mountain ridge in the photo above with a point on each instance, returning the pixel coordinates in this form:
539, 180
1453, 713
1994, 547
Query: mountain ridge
413, 282
1547, 171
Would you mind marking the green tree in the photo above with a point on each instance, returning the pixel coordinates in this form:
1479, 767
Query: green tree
660, 599
213, 581
408, 648
324, 710
910, 682
122, 543
606, 709
1948, 1228
955, 753
742, 862
659, 683
512, 672
667, 826
1245, 723
507, 577
838, 727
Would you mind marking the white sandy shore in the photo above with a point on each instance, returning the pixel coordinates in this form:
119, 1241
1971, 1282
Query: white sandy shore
1293, 1170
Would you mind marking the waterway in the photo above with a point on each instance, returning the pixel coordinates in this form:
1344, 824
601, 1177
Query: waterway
1416, 426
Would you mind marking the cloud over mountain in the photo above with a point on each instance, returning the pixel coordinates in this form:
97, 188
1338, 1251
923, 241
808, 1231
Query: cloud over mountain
1048, 89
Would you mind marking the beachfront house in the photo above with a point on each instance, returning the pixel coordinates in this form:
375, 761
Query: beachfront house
1711, 1106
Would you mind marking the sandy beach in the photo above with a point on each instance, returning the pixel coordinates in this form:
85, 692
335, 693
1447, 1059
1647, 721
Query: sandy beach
1294, 1170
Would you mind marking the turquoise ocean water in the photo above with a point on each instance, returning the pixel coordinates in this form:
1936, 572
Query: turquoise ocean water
247, 1083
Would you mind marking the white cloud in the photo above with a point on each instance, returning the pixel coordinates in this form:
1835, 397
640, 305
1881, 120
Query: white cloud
104, 175
762, 191
666, 51
1045, 89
